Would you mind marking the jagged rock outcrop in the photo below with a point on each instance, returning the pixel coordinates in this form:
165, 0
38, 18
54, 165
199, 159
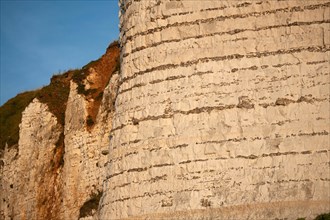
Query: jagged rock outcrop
219, 110
56, 170
86, 153
30, 176
222, 111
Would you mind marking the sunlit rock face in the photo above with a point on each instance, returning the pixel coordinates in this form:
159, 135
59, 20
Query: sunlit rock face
86, 154
222, 111
31, 173
56, 171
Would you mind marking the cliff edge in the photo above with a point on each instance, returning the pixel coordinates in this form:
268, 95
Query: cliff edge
222, 111
54, 143
216, 110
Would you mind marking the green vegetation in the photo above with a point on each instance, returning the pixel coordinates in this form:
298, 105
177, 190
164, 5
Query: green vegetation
55, 95
89, 121
102, 70
91, 206
10, 118
80, 75
323, 217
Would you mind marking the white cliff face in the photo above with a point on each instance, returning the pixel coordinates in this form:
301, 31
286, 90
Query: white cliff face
222, 111
57, 169
86, 153
42, 179
30, 174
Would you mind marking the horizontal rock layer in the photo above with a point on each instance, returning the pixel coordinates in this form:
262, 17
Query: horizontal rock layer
30, 178
222, 111
56, 171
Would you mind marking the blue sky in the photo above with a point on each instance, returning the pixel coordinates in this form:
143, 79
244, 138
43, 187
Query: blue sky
42, 38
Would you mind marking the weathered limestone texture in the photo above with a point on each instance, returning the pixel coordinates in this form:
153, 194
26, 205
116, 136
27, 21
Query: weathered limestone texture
30, 175
86, 153
57, 171
222, 111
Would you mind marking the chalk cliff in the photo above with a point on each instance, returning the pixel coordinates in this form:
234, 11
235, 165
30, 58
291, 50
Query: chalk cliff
218, 110
56, 169
222, 111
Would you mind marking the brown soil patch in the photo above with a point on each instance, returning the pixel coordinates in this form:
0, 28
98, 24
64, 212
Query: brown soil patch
94, 77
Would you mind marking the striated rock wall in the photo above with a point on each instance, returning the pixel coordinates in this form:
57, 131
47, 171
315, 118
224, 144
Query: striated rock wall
30, 185
222, 111
57, 170
86, 153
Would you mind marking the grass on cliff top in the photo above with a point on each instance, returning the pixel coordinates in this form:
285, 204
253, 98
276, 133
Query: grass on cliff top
10, 118
55, 95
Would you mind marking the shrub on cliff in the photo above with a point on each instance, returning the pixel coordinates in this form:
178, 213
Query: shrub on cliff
11, 116
55, 95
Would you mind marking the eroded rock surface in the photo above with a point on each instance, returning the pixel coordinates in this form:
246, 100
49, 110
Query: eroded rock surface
30, 179
56, 170
86, 153
222, 111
